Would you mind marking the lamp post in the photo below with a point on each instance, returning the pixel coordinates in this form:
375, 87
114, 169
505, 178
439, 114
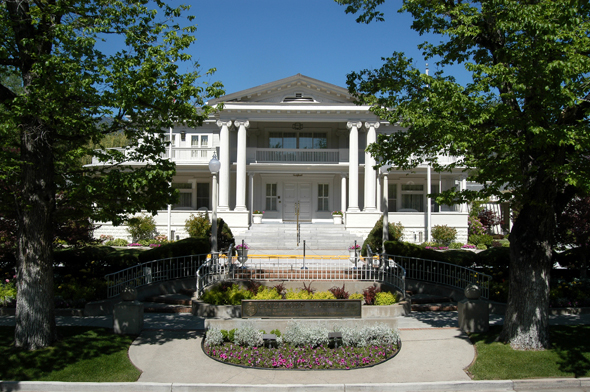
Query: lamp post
214, 166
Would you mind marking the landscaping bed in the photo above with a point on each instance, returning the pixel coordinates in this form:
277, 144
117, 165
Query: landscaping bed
303, 347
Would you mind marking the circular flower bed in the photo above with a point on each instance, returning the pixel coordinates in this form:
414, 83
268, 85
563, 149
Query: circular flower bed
301, 358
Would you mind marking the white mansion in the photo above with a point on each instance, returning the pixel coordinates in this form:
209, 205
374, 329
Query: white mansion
299, 142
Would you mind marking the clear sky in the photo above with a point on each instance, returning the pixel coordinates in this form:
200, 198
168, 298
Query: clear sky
252, 42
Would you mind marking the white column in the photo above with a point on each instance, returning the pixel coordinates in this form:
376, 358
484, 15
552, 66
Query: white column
379, 193
385, 208
241, 166
251, 195
428, 205
224, 169
343, 192
353, 166
370, 173
463, 187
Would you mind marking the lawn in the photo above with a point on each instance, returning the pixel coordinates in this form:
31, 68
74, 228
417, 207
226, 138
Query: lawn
568, 357
82, 354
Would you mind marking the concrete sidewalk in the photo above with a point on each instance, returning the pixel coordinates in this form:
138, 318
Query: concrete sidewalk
433, 357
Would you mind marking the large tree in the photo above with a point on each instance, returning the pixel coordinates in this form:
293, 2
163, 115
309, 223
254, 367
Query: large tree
87, 68
521, 124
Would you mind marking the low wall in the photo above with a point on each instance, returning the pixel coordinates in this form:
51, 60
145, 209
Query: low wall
281, 324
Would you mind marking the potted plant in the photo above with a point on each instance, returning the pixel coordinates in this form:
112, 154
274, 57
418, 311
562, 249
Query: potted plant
354, 253
242, 253
257, 216
337, 217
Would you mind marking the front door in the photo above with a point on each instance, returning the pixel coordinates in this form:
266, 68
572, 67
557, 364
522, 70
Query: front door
297, 193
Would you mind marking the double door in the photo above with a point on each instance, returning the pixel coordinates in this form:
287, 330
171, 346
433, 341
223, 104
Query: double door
297, 195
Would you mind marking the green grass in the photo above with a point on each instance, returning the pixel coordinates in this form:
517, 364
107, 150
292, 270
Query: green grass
568, 357
82, 354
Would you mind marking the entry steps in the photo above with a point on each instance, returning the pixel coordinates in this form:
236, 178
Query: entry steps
283, 236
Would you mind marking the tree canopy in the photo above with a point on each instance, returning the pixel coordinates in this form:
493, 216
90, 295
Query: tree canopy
87, 69
520, 127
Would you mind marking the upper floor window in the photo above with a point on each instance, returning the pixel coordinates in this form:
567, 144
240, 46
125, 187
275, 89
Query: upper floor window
298, 140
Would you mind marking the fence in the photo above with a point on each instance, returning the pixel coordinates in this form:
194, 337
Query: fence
154, 271
439, 272
299, 268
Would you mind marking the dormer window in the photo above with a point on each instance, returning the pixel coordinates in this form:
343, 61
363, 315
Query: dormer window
298, 97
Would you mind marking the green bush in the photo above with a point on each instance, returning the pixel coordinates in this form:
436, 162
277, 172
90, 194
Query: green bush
411, 250
375, 237
455, 245
323, 295
141, 227
444, 234
356, 296
385, 298
298, 294
198, 226
267, 293
185, 247
464, 258
221, 295
117, 242
482, 247
228, 336
484, 239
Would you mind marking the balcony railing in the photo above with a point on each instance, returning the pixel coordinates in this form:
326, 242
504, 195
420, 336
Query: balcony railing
193, 154
297, 155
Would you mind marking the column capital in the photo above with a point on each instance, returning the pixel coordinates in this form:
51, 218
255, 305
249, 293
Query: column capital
372, 124
242, 123
354, 124
222, 123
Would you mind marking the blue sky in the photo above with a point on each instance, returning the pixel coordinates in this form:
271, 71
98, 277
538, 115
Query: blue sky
252, 42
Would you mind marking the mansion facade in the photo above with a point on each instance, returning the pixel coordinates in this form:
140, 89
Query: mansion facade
295, 149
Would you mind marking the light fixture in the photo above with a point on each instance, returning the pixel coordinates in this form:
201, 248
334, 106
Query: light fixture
297, 126
214, 164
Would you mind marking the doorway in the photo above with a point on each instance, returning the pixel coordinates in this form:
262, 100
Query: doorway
297, 193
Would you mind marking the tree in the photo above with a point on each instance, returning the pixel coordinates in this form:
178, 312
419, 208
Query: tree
521, 124
74, 94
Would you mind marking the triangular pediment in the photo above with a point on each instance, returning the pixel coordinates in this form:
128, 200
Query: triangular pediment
292, 90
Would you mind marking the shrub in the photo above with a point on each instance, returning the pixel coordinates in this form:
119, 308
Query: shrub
253, 286
370, 293
298, 294
301, 334
141, 227
455, 245
369, 335
280, 288
116, 242
385, 298
187, 246
339, 293
444, 234
276, 332
375, 237
214, 337
248, 336
489, 219
411, 250
308, 288
198, 226
356, 296
228, 336
482, 247
267, 293
475, 226
484, 239
323, 295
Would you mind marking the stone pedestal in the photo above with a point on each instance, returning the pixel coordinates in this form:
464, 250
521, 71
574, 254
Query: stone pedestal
128, 318
474, 313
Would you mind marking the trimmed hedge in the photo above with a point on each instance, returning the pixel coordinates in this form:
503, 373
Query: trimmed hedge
185, 247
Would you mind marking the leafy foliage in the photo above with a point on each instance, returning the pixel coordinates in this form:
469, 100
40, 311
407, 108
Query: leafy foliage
339, 292
489, 219
444, 234
375, 237
521, 127
370, 293
141, 227
198, 226
385, 298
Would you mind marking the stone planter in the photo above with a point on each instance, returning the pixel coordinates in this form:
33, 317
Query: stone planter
256, 218
242, 256
354, 256
337, 219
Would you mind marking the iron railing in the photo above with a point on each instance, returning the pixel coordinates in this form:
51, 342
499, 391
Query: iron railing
298, 268
154, 271
442, 273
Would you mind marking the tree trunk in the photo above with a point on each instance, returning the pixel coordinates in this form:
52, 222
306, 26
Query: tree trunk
35, 313
526, 319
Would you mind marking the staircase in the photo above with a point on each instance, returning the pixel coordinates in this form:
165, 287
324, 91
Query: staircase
430, 303
283, 236
169, 303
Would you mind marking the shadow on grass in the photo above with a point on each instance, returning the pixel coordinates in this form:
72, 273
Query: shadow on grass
76, 344
572, 344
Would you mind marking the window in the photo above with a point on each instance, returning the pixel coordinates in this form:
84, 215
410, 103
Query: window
433, 206
203, 195
199, 141
271, 197
413, 197
195, 141
323, 197
185, 199
392, 197
295, 140
204, 141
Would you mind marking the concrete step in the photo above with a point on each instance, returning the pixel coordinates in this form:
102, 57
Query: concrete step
155, 307
435, 307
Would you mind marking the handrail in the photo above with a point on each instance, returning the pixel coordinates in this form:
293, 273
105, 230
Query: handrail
292, 269
154, 271
447, 274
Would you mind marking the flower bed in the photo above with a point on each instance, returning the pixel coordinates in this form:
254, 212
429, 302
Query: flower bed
303, 346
